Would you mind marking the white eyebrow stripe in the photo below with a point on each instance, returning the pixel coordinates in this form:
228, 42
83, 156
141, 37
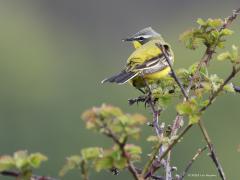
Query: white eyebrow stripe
144, 36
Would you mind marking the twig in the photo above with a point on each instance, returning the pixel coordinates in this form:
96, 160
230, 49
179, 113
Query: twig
121, 145
154, 162
155, 111
174, 129
212, 151
215, 94
18, 174
213, 156
150, 162
211, 50
84, 170
168, 167
173, 143
230, 19
205, 60
152, 176
161, 47
199, 152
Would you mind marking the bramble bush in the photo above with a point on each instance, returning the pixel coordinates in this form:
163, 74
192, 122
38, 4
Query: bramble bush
193, 88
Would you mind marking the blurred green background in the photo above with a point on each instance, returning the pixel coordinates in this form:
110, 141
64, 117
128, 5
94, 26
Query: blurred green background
53, 55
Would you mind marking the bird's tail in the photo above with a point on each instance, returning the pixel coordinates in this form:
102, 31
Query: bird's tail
121, 77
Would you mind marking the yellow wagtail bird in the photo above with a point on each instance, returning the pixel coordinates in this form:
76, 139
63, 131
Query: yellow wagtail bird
147, 61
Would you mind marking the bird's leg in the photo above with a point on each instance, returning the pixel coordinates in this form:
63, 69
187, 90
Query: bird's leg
136, 100
151, 102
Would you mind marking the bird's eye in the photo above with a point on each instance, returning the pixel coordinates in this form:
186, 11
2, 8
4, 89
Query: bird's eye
141, 38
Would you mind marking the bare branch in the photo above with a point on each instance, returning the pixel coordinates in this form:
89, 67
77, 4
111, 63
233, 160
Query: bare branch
212, 150
199, 152
16, 175
227, 80
161, 47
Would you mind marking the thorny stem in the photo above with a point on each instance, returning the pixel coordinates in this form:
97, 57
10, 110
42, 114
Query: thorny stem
155, 111
168, 167
185, 94
212, 151
214, 95
230, 19
84, 170
159, 131
210, 51
152, 176
17, 175
173, 143
151, 160
199, 152
206, 58
203, 129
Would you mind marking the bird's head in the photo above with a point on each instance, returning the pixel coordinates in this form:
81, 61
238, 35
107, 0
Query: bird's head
143, 36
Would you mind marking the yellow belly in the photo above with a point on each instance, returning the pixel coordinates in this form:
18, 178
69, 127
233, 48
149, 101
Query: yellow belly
150, 78
158, 75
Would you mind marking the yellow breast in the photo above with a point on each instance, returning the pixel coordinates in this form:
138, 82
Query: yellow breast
159, 74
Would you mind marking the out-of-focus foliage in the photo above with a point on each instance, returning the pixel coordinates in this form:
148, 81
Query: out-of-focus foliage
22, 162
113, 123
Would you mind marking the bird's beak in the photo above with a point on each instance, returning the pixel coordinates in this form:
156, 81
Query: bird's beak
128, 39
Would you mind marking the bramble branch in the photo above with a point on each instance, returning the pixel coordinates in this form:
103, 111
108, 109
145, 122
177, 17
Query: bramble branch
199, 152
205, 60
227, 80
17, 175
121, 145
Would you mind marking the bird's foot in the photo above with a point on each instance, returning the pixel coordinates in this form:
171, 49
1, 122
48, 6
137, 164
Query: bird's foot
137, 100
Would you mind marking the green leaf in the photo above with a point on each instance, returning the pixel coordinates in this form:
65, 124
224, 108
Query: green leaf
103, 163
193, 119
91, 153
153, 139
192, 38
121, 163
234, 56
201, 22
133, 151
224, 56
72, 162
226, 32
36, 159
220, 44
184, 108
229, 88
214, 22
165, 100
21, 159
6, 163
215, 34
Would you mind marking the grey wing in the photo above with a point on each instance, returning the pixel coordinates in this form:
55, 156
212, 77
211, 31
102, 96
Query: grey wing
153, 65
